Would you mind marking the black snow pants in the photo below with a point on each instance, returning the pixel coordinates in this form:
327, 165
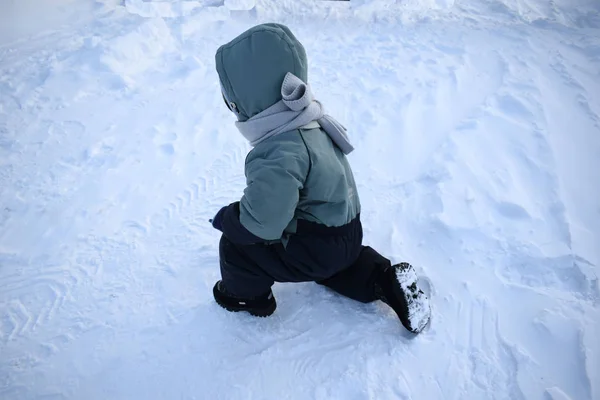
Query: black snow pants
334, 257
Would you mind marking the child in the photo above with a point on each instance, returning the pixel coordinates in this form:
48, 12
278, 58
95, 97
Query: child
299, 217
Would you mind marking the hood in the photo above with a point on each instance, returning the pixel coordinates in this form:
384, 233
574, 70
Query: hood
252, 67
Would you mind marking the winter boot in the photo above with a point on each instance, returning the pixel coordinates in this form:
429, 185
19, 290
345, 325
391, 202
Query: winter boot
259, 306
397, 287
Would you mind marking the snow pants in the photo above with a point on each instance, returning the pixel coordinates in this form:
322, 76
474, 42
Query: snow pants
334, 257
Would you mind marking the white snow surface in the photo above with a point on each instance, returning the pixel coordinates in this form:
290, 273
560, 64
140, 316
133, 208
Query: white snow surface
477, 129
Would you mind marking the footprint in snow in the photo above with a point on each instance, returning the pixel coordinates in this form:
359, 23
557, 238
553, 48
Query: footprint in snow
512, 210
166, 143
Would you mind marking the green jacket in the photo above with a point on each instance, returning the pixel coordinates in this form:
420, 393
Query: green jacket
299, 174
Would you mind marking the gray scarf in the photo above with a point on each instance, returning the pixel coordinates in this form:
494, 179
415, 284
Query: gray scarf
297, 109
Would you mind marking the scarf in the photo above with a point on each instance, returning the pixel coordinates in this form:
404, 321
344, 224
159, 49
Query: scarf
296, 109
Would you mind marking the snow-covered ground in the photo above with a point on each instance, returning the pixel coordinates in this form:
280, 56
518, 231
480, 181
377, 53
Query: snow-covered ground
477, 128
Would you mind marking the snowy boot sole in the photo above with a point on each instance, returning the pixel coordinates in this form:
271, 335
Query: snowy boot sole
398, 288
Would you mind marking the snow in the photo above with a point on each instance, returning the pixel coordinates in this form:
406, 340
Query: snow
477, 131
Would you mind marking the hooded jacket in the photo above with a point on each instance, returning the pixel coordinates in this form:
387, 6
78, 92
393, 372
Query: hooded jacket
297, 180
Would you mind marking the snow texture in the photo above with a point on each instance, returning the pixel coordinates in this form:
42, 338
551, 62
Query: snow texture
477, 133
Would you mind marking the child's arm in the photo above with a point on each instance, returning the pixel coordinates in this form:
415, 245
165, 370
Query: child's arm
275, 175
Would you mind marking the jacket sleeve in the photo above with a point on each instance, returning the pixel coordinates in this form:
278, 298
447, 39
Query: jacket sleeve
275, 174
